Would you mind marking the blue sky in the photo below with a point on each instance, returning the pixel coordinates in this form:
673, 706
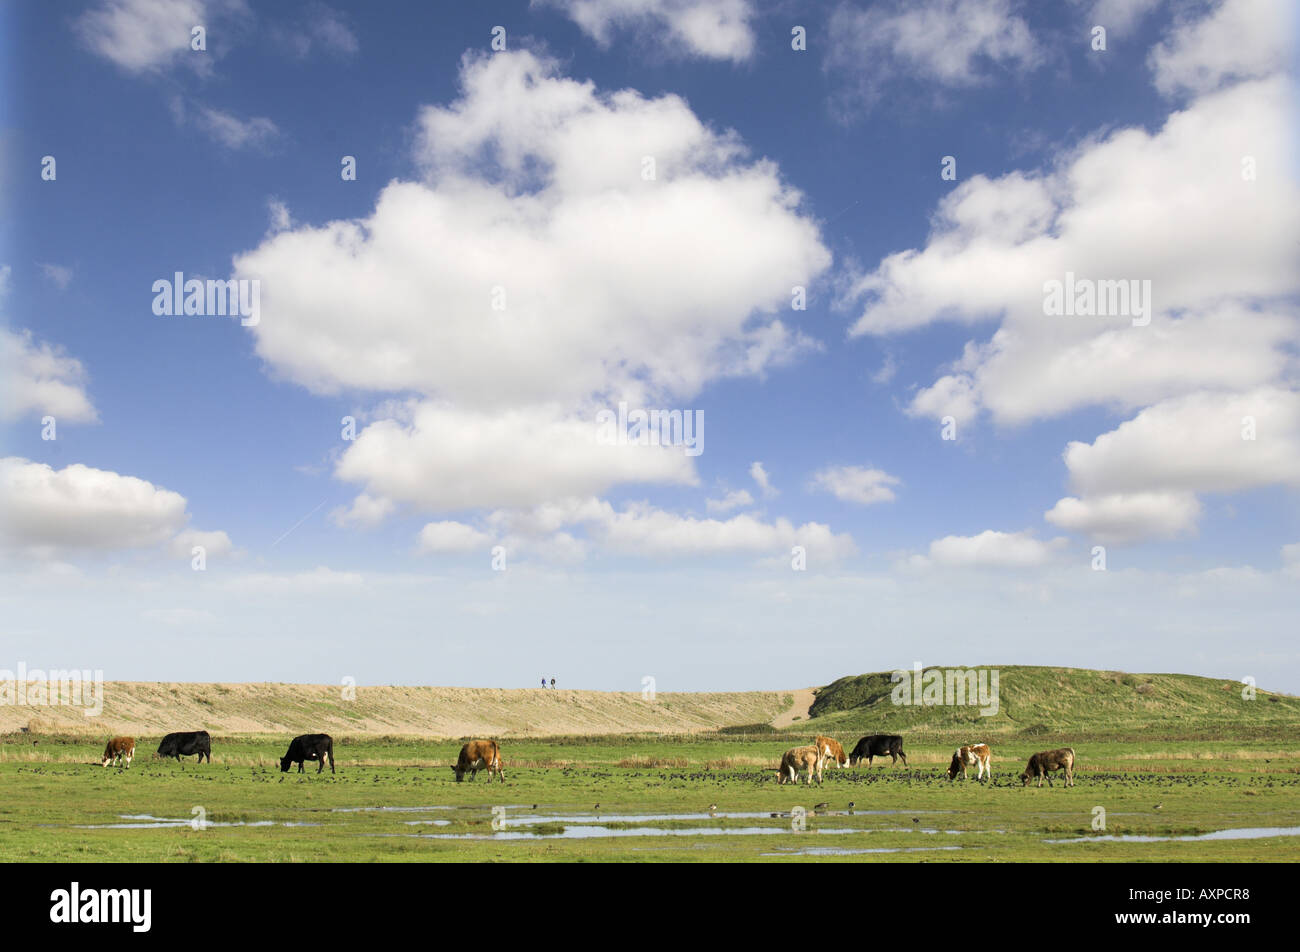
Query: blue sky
523, 169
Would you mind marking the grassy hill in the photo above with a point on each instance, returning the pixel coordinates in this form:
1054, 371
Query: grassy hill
1035, 701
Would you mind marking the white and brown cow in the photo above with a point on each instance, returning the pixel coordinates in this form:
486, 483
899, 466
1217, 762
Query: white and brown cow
830, 750
479, 755
119, 750
800, 758
975, 755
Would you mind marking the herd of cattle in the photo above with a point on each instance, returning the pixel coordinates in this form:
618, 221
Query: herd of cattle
813, 758
479, 755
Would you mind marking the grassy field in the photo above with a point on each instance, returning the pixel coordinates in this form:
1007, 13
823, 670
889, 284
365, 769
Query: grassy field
706, 796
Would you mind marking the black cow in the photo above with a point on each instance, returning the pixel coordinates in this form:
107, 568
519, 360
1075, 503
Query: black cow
879, 745
184, 743
309, 747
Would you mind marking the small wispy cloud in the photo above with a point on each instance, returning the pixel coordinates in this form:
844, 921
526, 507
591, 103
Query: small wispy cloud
732, 500
233, 132
321, 30
57, 274
858, 484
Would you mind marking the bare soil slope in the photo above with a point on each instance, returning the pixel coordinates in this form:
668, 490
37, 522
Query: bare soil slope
150, 708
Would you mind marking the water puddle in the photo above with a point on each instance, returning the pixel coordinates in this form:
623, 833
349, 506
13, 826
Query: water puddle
597, 832
835, 851
529, 819
1245, 833
389, 809
145, 821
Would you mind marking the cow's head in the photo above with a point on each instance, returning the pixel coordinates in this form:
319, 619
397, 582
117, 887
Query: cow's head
954, 768
460, 774
284, 764
1024, 778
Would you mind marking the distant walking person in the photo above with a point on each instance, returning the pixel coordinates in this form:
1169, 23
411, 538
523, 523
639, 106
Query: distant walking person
543, 682
552, 682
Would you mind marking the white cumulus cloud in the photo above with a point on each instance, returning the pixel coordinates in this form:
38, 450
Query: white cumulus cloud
37, 378
991, 549
858, 484
712, 29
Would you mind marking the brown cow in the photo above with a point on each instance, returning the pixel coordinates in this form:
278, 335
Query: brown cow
119, 750
975, 755
1042, 763
800, 758
830, 749
478, 754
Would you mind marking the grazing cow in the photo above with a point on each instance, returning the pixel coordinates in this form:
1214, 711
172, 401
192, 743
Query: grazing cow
878, 745
184, 743
309, 747
1042, 763
119, 750
830, 749
975, 755
479, 755
800, 758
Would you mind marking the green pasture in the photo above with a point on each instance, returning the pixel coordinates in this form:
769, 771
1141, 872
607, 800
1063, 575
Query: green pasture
648, 798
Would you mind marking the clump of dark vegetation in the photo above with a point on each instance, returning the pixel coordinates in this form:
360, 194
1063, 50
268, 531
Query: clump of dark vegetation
744, 730
855, 691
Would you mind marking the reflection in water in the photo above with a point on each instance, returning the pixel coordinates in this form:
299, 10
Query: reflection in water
1245, 833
